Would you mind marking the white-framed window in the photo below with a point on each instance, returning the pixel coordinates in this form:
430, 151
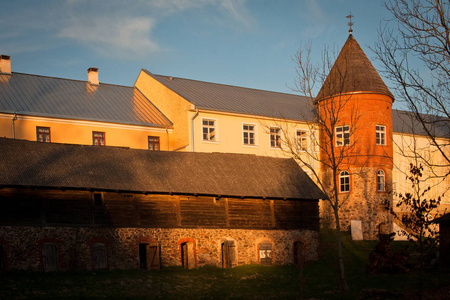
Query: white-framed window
249, 134
381, 181
275, 137
301, 138
380, 131
342, 135
209, 130
344, 182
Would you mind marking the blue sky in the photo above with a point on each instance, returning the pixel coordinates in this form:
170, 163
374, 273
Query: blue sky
246, 43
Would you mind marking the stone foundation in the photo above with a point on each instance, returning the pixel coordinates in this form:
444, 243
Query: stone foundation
363, 202
22, 245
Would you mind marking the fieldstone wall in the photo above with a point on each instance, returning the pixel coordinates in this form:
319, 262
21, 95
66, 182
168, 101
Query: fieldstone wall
363, 202
22, 245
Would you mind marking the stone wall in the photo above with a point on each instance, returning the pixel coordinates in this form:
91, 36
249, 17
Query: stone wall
363, 202
22, 245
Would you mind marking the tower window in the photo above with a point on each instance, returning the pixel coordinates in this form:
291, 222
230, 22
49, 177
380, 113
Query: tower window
380, 134
344, 182
342, 135
381, 185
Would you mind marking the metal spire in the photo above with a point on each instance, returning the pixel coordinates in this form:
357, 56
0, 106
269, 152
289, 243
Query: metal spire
350, 23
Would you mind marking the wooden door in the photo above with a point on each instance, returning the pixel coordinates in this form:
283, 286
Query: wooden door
228, 254
49, 257
152, 257
184, 255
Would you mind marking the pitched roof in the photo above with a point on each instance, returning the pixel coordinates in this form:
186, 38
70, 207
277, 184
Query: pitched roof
407, 122
352, 72
72, 99
49, 165
234, 99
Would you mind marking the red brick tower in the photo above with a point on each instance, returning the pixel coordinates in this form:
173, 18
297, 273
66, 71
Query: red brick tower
355, 107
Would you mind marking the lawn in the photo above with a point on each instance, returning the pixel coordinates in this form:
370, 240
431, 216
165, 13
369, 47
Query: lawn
242, 282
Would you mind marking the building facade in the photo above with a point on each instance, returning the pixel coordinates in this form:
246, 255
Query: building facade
375, 143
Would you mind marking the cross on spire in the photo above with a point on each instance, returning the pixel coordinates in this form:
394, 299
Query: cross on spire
350, 23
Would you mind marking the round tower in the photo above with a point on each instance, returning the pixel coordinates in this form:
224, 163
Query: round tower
354, 108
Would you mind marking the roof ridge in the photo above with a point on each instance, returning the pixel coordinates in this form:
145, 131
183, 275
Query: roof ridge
69, 79
222, 84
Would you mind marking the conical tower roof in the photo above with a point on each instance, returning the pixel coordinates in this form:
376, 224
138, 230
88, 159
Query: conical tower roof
352, 72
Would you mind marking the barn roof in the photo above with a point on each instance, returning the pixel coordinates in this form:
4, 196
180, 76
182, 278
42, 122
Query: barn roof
235, 99
352, 72
73, 99
63, 166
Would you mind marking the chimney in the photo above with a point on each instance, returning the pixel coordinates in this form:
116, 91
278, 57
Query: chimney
93, 76
5, 64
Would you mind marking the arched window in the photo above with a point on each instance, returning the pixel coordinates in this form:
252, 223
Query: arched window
344, 182
381, 186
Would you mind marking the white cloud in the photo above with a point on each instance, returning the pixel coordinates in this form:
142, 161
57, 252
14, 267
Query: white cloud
316, 19
129, 37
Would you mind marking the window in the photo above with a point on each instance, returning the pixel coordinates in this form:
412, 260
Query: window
98, 138
380, 134
275, 137
153, 143
209, 130
302, 140
43, 134
265, 253
381, 186
249, 134
342, 135
344, 182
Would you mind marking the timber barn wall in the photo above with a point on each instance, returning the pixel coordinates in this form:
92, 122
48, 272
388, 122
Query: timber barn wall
78, 221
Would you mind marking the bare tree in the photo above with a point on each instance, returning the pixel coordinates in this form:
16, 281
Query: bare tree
421, 37
325, 156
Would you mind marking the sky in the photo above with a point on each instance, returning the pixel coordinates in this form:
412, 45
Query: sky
249, 43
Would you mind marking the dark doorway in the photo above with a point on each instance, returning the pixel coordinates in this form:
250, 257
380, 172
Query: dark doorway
299, 253
187, 255
99, 256
49, 257
149, 257
228, 254
2, 257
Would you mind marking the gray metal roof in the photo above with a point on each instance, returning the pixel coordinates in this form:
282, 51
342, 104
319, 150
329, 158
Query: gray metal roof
50, 165
234, 99
406, 122
72, 99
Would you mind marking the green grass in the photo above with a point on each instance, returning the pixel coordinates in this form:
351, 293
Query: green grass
243, 282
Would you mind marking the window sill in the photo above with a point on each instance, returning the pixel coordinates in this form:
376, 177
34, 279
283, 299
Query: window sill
210, 142
250, 146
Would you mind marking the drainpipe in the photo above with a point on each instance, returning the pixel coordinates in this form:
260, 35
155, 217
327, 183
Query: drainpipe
13, 129
167, 138
192, 128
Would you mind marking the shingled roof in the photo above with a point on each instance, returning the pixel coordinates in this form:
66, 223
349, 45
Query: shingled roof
235, 99
73, 99
352, 72
63, 166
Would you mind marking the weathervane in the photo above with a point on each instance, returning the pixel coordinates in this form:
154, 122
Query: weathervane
350, 16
